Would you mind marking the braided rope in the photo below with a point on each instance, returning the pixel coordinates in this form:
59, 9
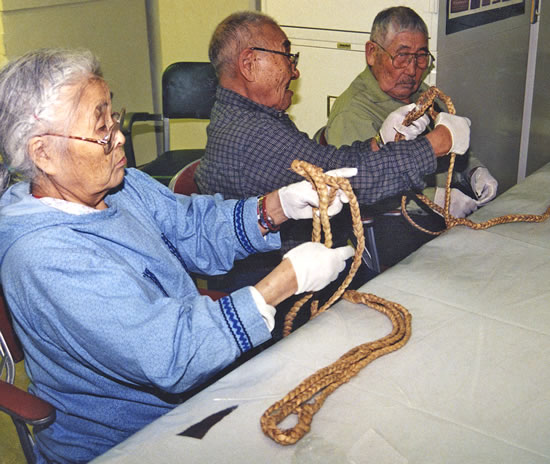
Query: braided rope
425, 103
321, 223
308, 397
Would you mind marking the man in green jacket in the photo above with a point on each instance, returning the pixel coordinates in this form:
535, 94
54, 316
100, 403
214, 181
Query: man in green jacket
397, 61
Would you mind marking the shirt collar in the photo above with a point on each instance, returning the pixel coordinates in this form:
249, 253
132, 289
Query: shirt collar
374, 92
233, 98
68, 206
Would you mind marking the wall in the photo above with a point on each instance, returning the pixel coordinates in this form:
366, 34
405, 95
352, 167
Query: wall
115, 30
135, 41
3, 57
539, 143
184, 31
483, 70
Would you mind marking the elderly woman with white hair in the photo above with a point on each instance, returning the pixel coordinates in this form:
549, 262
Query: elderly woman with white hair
95, 261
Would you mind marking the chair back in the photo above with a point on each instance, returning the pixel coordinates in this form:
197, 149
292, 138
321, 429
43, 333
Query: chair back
7, 364
23, 408
188, 92
10, 348
322, 138
183, 182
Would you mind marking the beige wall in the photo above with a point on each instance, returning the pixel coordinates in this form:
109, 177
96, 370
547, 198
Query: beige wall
114, 30
185, 27
179, 30
3, 57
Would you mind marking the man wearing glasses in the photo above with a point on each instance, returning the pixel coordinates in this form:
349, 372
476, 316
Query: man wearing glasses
397, 61
252, 141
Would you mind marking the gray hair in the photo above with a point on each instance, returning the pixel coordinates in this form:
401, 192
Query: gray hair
31, 88
393, 20
233, 35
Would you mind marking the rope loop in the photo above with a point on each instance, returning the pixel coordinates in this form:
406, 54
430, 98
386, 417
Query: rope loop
426, 103
308, 397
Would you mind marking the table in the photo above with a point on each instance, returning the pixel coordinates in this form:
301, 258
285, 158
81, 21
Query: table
472, 385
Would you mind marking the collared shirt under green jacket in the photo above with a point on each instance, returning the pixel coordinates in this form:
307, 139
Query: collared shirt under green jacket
359, 112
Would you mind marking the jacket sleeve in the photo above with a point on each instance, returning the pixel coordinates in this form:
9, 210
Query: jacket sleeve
397, 167
209, 232
350, 126
87, 311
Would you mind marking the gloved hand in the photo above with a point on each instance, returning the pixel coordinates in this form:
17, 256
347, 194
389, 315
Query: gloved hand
484, 185
393, 124
316, 265
459, 127
298, 199
461, 204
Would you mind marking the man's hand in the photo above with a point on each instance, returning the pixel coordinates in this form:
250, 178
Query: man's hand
461, 204
316, 266
484, 185
459, 127
297, 200
394, 123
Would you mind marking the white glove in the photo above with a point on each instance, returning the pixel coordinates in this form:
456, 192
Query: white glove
298, 199
484, 185
461, 204
459, 127
316, 265
393, 124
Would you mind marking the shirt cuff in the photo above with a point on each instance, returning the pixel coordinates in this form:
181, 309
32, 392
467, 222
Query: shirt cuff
267, 311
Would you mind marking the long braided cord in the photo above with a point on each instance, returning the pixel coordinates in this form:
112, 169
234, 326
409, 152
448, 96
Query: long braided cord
425, 103
308, 397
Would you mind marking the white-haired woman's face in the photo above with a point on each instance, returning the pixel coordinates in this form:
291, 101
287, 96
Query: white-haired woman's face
86, 173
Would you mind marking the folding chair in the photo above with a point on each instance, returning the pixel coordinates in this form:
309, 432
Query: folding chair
183, 182
24, 408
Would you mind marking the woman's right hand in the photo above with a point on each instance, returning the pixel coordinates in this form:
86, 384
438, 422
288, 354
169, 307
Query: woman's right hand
307, 268
316, 266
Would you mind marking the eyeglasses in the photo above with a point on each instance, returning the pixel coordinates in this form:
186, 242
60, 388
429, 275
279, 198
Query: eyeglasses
108, 141
423, 60
292, 57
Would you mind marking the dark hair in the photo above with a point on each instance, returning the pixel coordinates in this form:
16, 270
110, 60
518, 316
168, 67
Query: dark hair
30, 89
394, 20
232, 36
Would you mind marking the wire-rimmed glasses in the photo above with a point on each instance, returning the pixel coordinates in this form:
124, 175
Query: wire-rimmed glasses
292, 57
108, 141
401, 60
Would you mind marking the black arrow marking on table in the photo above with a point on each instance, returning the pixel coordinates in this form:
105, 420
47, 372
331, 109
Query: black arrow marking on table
200, 429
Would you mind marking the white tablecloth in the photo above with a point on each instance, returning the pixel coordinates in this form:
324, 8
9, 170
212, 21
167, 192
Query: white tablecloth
472, 385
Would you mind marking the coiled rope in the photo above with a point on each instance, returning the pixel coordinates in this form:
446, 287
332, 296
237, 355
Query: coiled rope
308, 397
426, 103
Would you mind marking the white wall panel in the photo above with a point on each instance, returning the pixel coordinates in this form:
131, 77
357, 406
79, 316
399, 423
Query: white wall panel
483, 70
539, 143
330, 37
326, 71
